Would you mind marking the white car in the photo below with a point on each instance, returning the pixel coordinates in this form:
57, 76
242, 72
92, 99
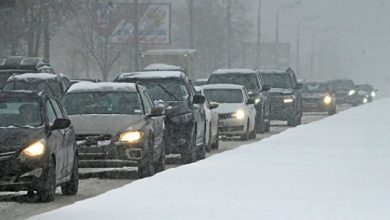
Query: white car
212, 137
236, 111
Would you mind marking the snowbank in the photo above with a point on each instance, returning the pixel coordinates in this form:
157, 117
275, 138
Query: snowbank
337, 168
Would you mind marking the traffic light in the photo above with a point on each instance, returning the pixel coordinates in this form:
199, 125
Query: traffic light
7, 3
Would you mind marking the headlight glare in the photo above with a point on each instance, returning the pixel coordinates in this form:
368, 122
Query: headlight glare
352, 92
257, 100
373, 94
240, 114
36, 149
327, 99
131, 136
289, 99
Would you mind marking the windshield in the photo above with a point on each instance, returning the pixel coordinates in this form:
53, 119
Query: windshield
3, 78
20, 112
278, 80
102, 103
315, 88
224, 95
342, 85
366, 88
171, 89
247, 80
50, 86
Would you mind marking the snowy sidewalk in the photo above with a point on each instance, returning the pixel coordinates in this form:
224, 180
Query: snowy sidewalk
337, 168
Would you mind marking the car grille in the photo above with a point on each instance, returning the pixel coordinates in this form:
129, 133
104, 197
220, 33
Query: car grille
341, 94
96, 137
311, 100
5, 158
231, 129
276, 100
225, 116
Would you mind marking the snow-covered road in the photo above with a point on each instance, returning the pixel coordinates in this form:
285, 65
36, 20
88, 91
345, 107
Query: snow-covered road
19, 206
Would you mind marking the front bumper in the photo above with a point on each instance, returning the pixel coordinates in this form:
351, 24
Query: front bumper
232, 127
315, 105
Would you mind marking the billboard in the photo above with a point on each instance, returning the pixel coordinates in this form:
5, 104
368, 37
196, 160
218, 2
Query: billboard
116, 21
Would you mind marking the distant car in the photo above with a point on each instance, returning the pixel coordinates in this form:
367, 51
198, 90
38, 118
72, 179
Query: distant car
38, 145
257, 90
201, 82
119, 124
54, 84
185, 123
318, 96
237, 113
366, 92
20, 64
286, 95
212, 139
345, 90
73, 81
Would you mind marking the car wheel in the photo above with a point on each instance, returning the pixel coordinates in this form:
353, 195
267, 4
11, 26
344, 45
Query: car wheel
245, 137
189, 156
47, 187
201, 151
209, 145
71, 188
292, 122
147, 169
260, 124
160, 165
332, 111
216, 142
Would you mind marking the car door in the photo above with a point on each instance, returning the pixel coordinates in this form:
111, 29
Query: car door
251, 110
55, 141
68, 140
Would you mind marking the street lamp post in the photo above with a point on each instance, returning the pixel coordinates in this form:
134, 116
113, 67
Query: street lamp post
280, 9
300, 23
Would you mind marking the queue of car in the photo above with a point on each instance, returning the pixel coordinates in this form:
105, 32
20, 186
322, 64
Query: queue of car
140, 118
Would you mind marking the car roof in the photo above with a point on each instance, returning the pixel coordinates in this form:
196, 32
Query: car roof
162, 67
222, 86
315, 82
231, 71
103, 87
169, 51
22, 93
152, 75
43, 76
23, 63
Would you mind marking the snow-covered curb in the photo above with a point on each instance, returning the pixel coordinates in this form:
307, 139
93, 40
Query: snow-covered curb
336, 168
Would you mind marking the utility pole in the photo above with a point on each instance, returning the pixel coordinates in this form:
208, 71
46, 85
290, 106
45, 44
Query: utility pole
46, 32
258, 46
136, 37
229, 32
191, 22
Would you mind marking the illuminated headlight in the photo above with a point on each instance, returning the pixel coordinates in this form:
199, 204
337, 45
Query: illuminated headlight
36, 149
373, 94
289, 99
352, 92
327, 99
365, 100
240, 114
131, 136
257, 100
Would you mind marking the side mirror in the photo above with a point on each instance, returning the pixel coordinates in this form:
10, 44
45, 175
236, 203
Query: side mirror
214, 105
266, 87
299, 86
198, 99
250, 102
61, 123
157, 111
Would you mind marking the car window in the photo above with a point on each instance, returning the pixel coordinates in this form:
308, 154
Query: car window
57, 109
51, 115
147, 103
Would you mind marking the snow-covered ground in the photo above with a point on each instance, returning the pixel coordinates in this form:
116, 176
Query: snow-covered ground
336, 168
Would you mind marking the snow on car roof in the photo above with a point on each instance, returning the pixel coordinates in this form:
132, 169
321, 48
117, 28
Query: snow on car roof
169, 51
35, 76
272, 71
227, 71
153, 75
162, 66
202, 80
102, 87
222, 86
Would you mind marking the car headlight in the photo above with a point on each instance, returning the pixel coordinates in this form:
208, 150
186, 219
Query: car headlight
257, 100
185, 118
327, 99
131, 136
240, 114
289, 99
365, 100
352, 92
36, 149
373, 94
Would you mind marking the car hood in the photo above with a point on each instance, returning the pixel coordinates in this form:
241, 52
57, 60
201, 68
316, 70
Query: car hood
13, 138
313, 95
106, 124
224, 108
281, 91
173, 109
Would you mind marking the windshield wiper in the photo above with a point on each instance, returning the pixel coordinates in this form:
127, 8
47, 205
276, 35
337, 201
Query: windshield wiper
172, 96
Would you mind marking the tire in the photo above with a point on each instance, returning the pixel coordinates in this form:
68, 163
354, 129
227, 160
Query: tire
160, 164
291, 122
147, 169
215, 145
332, 111
189, 156
209, 145
71, 188
260, 124
245, 137
201, 151
268, 126
48, 185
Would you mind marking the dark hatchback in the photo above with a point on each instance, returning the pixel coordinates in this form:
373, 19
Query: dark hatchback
185, 123
318, 97
38, 149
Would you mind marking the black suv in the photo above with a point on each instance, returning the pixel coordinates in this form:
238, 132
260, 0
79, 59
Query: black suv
257, 90
185, 124
19, 64
345, 90
286, 95
38, 146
